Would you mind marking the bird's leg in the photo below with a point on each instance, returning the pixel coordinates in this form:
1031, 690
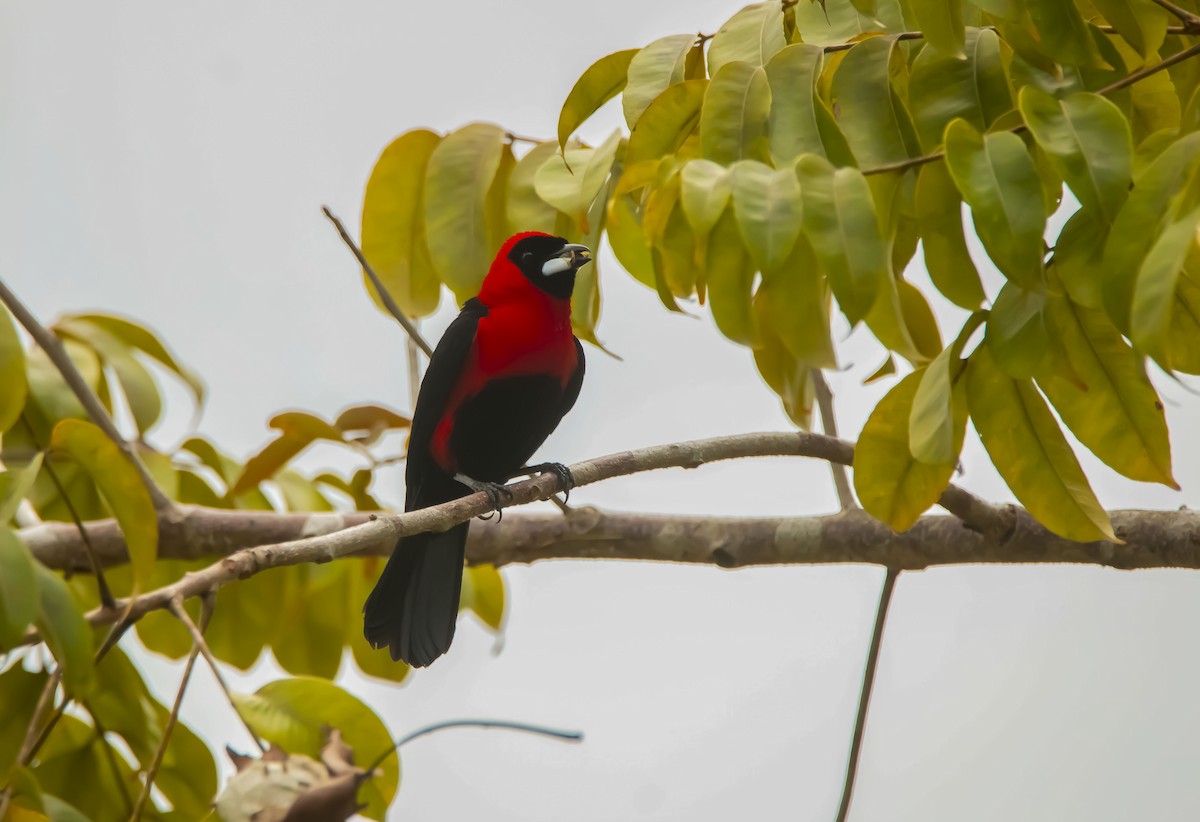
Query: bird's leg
495, 491
565, 477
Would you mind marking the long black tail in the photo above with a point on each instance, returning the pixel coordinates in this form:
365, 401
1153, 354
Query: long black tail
413, 609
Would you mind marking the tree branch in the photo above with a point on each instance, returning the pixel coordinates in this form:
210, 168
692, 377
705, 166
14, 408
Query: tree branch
388, 302
841, 478
57, 353
1190, 20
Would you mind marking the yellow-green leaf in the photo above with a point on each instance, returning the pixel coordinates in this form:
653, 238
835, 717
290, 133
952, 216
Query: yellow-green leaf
998, 180
138, 386
1142, 23
800, 122
1108, 403
571, 182
145, 341
66, 632
1087, 139
734, 117
460, 174
651, 71
290, 713
1031, 453
793, 301
1079, 257
483, 594
16, 484
871, 114
1154, 295
603, 80
944, 87
667, 122
767, 205
932, 435
13, 383
704, 192
1062, 32
791, 379
18, 589
1017, 331
628, 240
297, 430
120, 483
839, 219
941, 22
394, 238
940, 219
753, 35
525, 210
729, 278
893, 486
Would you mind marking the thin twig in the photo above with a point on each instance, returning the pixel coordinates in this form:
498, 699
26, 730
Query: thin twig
904, 35
569, 736
841, 478
1189, 19
384, 296
864, 699
414, 371
172, 718
111, 756
43, 704
57, 353
106, 596
176, 608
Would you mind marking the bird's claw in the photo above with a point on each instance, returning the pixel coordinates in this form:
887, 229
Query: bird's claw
565, 478
497, 495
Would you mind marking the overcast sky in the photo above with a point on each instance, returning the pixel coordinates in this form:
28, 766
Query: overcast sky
168, 162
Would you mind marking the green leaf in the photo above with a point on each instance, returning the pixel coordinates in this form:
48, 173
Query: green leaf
1107, 402
121, 484
753, 35
1140, 221
18, 589
628, 240
145, 341
246, 617
787, 376
1017, 331
362, 574
704, 192
603, 80
869, 111
941, 21
651, 71
394, 240
460, 174
585, 300
315, 638
1154, 295
1088, 141
526, 211
940, 221
800, 122
998, 180
767, 205
1079, 255
793, 303
1140, 22
902, 320
893, 486
729, 276
65, 631
1184, 342
138, 386
834, 23
297, 430
734, 117
483, 594
1031, 453
289, 713
667, 122
13, 384
570, 183
1062, 32
943, 87
933, 435
19, 693
839, 219
17, 483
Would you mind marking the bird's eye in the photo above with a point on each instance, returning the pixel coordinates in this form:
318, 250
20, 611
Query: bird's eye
527, 256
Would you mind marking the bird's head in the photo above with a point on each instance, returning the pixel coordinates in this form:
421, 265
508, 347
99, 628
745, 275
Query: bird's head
548, 262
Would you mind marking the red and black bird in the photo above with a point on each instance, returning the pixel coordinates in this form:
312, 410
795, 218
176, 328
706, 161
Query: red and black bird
500, 380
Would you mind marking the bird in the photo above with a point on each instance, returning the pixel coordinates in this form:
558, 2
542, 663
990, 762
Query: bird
500, 380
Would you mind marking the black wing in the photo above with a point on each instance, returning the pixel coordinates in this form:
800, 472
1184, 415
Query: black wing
445, 367
571, 390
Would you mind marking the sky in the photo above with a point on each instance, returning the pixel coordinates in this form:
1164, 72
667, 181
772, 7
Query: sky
169, 161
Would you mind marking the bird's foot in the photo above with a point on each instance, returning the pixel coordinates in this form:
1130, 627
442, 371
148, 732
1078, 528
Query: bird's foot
565, 477
498, 496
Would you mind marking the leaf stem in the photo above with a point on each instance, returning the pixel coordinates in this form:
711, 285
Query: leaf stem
569, 736
841, 479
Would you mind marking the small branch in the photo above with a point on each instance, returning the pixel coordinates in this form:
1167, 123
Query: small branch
904, 35
57, 353
864, 699
521, 138
1143, 73
176, 607
106, 597
841, 478
111, 756
172, 718
43, 704
569, 736
388, 302
414, 373
1189, 19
